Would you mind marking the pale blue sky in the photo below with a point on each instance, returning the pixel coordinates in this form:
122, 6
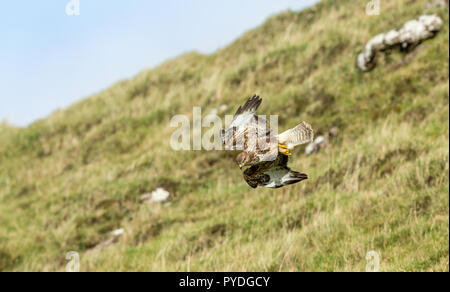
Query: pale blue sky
49, 60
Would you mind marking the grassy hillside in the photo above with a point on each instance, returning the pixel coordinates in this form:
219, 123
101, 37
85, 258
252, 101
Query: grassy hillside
383, 184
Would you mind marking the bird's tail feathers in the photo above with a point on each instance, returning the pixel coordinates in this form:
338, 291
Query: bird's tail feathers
294, 177
301, 134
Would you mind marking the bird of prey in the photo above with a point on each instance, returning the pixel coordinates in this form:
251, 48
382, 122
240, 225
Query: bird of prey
265, 151
272, 174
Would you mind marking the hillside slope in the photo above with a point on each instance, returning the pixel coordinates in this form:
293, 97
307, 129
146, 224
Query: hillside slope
383, 184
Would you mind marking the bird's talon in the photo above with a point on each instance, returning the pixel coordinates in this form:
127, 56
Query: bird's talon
286, 152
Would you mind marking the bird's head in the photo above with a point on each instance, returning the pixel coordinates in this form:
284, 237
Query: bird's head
244, 159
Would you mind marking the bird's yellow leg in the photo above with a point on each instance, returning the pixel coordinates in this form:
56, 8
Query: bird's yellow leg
284, 150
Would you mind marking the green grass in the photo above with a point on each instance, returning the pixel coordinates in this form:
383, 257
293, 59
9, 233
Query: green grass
383, 184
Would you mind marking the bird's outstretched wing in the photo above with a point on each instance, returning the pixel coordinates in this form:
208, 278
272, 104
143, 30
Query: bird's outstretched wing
245, 124
274, 174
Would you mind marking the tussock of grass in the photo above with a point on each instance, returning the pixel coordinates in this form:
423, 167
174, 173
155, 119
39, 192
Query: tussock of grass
70, 179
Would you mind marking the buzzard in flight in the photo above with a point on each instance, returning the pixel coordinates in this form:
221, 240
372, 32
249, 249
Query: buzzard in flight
265, 152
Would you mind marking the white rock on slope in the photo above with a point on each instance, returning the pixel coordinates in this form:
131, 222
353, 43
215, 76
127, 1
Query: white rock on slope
412, 32
160, 195
118, 232
319, 143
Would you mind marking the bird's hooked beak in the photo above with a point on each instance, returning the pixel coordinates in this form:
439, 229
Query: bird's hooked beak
241, 165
